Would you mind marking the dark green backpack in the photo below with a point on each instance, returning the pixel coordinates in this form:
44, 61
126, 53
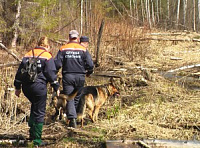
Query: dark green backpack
30, 71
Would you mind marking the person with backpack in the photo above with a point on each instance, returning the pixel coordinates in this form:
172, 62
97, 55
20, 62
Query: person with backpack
35, 71
76, 62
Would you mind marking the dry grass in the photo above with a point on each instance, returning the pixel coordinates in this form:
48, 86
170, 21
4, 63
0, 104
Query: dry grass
161, 110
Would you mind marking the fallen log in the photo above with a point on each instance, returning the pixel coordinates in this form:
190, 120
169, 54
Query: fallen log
175, 126
164, 39
158, 39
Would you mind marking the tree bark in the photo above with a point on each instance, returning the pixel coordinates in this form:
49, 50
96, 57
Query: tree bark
184, 12
177, 15
136, 9
152, 10
142, 6
86, 16
194, 18
98, 42
81, 25
131, 10
148, 13
168, 11
16, 25
198, 10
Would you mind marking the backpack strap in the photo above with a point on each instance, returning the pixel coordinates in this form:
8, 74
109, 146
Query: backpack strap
39, 54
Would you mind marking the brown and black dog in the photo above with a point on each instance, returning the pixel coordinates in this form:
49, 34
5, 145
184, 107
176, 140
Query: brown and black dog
93, 97
59, 103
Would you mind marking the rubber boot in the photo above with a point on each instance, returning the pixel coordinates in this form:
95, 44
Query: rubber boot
38, 134
31, 124
72, 123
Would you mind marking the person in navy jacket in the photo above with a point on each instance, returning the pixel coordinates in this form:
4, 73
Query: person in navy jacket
36, 92
76, 62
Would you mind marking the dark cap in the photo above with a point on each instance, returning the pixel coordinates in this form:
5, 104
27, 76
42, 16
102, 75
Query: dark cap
84, 39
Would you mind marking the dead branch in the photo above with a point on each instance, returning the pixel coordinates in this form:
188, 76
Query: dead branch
8, 51
106, 75
10, 64
175, 126
165, 34
64, 26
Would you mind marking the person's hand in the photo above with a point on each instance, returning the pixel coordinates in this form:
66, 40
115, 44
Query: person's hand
87, 75
58, 92
17, 92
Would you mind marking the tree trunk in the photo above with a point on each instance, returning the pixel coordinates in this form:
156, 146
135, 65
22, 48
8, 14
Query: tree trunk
81, 25
194, 19
136, 9
198, 10
60, 16
168, 11
86, 16
148, 13
152, 10
98, 42
184, 12
157, 10
16, 25
131, 10
7, 14
177, 16
142, 6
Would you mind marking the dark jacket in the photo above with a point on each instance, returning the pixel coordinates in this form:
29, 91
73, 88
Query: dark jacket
46, 68
74, 58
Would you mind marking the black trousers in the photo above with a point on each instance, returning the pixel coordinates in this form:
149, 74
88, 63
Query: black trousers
73, 82
37, 95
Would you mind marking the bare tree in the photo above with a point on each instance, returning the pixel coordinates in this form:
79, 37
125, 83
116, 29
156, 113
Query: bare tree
152, 10
81, 25
198, 10
184, 12
168, 12
136, 9
177, 15
142, 5
86, 15
194, 19
16, 25
148, 13
131, 11
157, 10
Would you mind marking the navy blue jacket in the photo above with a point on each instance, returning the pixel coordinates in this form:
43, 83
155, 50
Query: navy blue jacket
45, 65
74, 58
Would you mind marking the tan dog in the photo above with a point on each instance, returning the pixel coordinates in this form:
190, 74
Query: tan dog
93, 97
59, 103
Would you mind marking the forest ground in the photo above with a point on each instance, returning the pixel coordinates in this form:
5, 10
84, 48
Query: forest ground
150, 105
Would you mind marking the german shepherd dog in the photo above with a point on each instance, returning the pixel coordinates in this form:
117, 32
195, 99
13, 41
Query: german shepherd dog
93, 97
59, 103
